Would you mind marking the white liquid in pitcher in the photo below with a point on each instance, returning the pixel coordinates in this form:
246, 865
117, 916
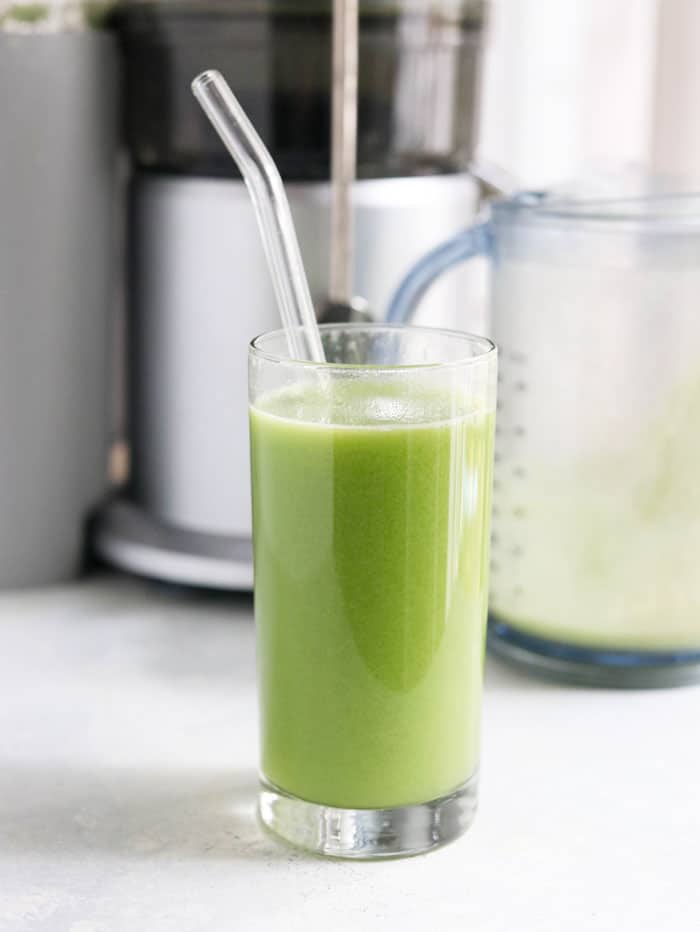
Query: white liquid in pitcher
597, 480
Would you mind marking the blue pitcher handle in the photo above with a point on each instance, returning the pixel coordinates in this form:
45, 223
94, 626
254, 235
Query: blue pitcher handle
474, 241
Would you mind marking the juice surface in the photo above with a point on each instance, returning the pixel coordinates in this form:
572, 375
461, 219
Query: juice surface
371, 522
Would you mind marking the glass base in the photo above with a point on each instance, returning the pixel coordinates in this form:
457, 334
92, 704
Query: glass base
591, 666
368, 833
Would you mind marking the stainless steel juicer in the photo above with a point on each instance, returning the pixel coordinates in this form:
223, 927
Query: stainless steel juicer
198, 283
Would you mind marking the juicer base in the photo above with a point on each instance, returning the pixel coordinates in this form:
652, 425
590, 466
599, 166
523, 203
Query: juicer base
593, 666
368, 833
130, 539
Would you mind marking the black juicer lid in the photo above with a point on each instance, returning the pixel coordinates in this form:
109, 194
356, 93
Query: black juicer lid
419, 66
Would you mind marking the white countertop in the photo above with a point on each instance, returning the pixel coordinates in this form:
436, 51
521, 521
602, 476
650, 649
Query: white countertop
127, 791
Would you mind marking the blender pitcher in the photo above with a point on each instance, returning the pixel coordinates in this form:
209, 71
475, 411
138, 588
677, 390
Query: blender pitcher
595, 305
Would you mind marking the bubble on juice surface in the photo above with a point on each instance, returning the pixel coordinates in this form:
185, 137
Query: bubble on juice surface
357, 403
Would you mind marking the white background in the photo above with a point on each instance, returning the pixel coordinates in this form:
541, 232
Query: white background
574, 87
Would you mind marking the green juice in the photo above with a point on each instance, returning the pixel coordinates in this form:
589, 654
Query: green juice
371, 525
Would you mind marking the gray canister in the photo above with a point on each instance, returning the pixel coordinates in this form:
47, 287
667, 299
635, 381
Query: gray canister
58, 153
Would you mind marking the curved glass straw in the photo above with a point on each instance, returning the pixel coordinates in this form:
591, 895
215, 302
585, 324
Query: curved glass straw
271, 209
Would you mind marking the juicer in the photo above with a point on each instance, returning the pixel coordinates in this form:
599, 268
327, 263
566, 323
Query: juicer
198, 286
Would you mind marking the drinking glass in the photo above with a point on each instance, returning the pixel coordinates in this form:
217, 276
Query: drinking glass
371, 478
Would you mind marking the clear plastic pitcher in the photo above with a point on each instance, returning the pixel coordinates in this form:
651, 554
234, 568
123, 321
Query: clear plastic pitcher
595, 305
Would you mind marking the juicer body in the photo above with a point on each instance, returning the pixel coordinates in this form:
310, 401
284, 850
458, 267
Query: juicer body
198, 285
199, 291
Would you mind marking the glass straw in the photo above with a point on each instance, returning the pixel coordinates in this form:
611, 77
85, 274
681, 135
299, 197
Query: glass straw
271, 209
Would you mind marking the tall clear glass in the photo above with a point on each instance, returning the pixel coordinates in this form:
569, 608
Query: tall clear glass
371, 480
